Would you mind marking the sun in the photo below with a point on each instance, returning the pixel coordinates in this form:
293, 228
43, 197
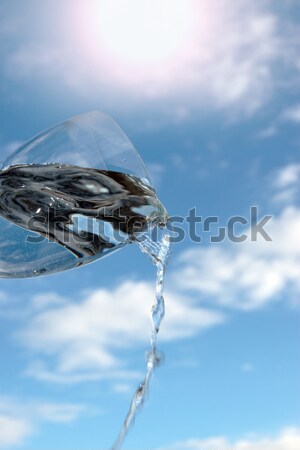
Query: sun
142, 31
137, 34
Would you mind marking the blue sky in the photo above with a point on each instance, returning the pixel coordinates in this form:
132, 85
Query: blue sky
208, 91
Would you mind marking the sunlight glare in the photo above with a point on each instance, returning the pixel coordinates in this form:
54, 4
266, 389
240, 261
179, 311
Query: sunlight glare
148, 46
139, 32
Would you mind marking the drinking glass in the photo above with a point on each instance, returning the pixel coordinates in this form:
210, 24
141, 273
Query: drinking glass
90, 141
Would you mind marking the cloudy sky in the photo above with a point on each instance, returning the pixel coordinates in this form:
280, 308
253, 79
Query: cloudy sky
208, 91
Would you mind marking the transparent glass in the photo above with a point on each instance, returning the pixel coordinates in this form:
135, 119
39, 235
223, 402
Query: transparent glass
92, 141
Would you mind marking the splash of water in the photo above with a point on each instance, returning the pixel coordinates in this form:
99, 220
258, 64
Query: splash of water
159, 253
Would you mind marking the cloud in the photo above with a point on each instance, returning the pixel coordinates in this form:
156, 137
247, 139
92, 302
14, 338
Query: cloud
32, 58
234, 71
268, 132
289, 115
13, 431
223, 58
288, 175
81, 342
58, 413
287, 439
286, 184
292, 114
248, 275
20, 419
43, 61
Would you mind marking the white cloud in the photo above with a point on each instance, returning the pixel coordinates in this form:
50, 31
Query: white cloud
42, 301
287, 439
292, 114
224, 57
288, 115
40, 411
58, 413
122, 388
288, 175
82, 341
33, 58
286, 184
247, 275
268, 132
13, 431
234, 71
20, 419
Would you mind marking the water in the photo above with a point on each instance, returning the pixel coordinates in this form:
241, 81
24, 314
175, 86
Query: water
54, 217
159, 253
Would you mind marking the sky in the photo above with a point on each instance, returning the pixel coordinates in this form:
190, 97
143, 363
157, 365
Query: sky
209, 93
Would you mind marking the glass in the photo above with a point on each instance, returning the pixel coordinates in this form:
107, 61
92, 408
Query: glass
92, 141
